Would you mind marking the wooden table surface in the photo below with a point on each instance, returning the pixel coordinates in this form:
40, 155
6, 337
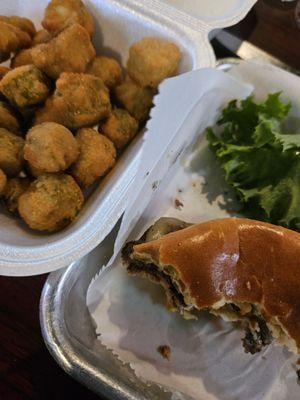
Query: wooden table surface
27, 371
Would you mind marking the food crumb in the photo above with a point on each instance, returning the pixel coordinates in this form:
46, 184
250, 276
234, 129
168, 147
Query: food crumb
178, 204
155, 185
164, 351
194, 184
248, 284
180, 190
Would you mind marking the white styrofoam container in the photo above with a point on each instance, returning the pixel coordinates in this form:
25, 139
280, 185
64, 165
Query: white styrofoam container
118, 25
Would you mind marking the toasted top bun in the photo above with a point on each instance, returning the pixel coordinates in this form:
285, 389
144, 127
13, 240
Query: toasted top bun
235, 260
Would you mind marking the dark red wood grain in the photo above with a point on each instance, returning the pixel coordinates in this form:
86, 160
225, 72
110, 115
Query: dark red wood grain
27, 371
274, 26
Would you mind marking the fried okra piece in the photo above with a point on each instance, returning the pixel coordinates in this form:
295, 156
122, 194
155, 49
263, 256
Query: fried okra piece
42, 36
151, 60
3, 71
51, 202
60, 14
50, 147
12, 39
108, 69
79, 100
70, 51
97, 155
14, 189
25, 86
11, 153
120, 127
135, 99
3, 182
23, 57
8, 119
22, 23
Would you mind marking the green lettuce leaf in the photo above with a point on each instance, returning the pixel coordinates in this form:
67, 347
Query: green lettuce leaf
281, 202
268, 132
260, 162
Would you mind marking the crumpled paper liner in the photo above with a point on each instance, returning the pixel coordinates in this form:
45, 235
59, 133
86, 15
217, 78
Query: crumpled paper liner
207, 358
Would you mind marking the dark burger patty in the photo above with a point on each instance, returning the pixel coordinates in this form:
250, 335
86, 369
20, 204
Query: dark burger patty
255, 340
136, 267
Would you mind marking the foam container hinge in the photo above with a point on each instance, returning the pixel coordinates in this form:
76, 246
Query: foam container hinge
118, 25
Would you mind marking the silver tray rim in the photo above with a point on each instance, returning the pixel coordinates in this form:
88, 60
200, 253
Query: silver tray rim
59, 345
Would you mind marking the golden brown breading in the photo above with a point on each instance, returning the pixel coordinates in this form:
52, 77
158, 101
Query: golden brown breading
8, 119
70, 51
11, 153
13, 190
135, 99
108, 69
79, 100
3, 182
25, 86
52, 113
96, 158
23, 57
151, 60
50, 147
51, 202
12, 39
3, 71
22, 23
62, 13
120, 127
42, 36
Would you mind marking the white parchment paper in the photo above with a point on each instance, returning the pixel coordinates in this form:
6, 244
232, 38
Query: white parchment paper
207, 359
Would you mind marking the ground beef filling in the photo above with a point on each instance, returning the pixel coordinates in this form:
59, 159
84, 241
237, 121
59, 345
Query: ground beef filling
174, 296
136, 267
257, 335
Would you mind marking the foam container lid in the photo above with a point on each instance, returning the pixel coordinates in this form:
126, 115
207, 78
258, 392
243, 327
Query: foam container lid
118, 25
